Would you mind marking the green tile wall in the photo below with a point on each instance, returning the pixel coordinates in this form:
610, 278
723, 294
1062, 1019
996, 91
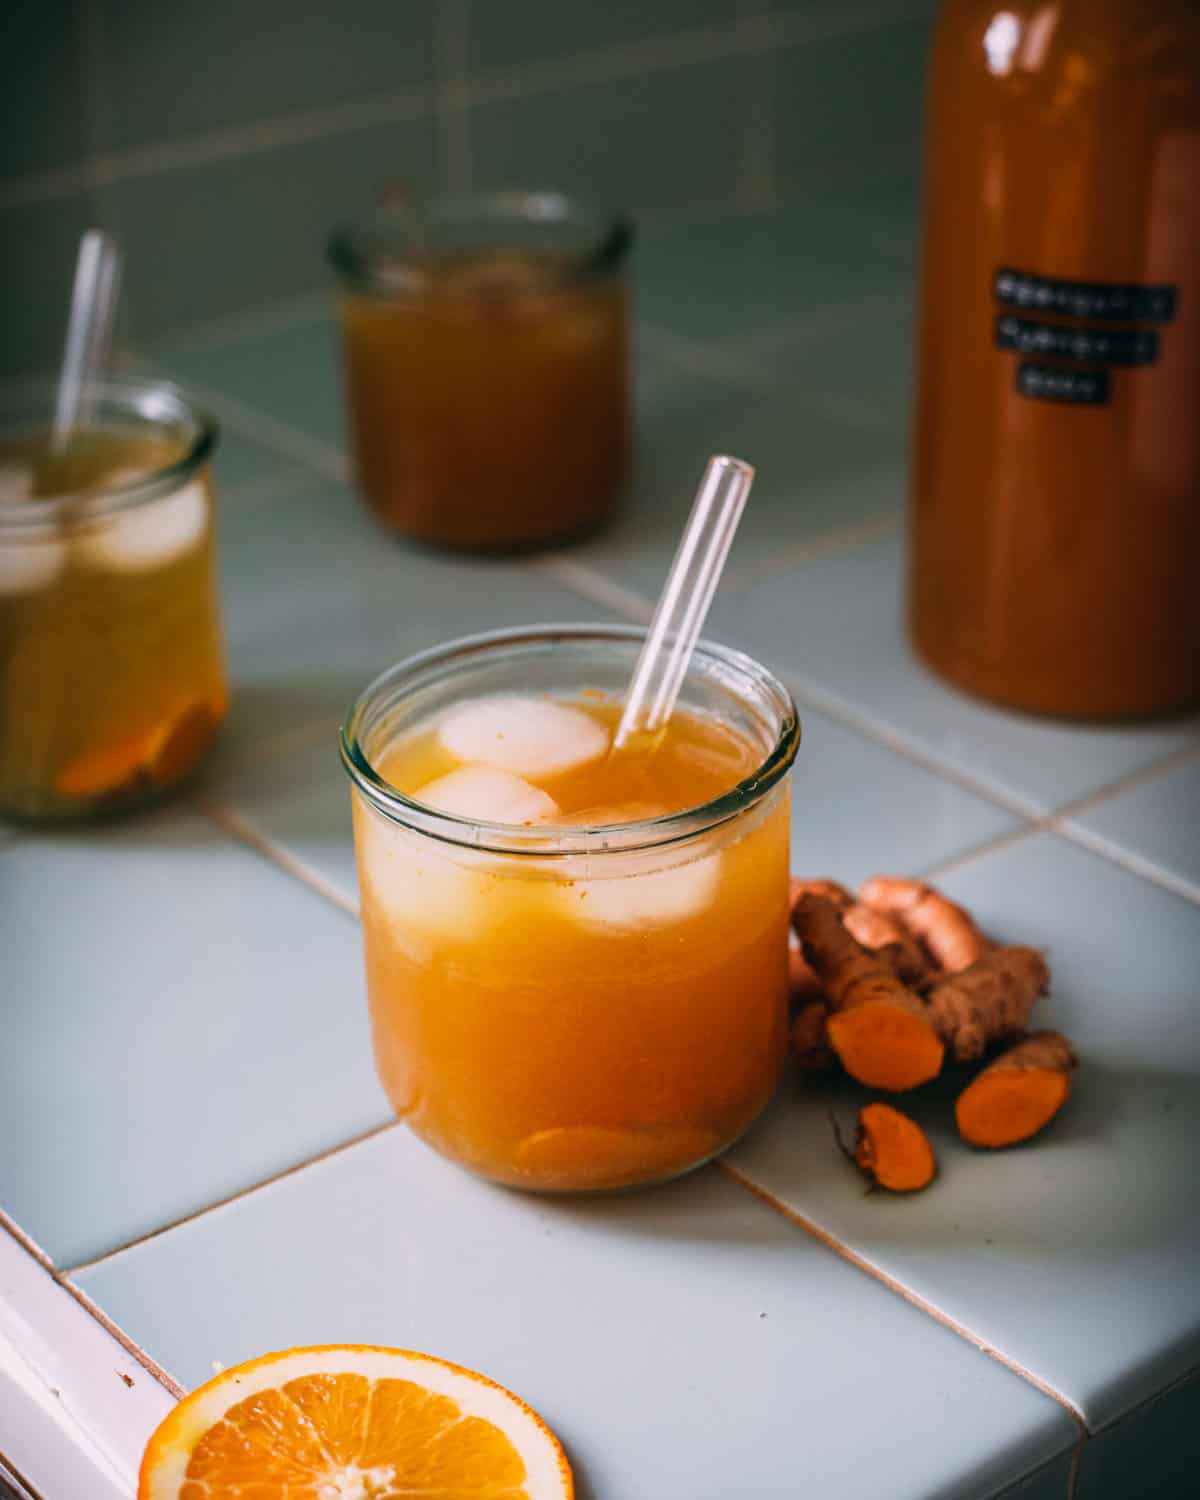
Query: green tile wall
524, 31
41, 107
174, 69
37, 253
220, 141
633, 142
207, 240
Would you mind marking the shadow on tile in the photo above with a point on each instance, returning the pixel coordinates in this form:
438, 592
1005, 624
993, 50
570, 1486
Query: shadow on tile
666, 1211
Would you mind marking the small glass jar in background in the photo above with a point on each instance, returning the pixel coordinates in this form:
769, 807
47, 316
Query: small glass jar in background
487, 364
112, 679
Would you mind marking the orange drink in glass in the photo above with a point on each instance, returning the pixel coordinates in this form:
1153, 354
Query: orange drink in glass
486, 353
576, 960
112, 678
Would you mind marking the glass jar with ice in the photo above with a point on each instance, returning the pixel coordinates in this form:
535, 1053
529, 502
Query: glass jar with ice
112, 680
576, 960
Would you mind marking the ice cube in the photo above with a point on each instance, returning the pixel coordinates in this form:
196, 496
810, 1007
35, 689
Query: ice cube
150, 534
627, 896
421, 891
29, 565
621, 889
488, 795
530, 737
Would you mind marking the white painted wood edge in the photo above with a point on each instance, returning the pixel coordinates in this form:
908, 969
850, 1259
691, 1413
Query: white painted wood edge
76, 1407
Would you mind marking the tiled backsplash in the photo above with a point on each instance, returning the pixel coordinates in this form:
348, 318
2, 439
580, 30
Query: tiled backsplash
221, 142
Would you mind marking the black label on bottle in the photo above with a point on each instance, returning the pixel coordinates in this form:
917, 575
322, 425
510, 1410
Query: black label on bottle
1053, 383
1090, 345
1084, 299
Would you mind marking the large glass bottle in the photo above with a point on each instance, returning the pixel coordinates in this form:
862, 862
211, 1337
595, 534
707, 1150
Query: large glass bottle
1055, 561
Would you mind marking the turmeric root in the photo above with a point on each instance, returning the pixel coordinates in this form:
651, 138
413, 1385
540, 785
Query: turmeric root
804, 987
1017, 1094
875, 930
832, 892
810, 1040
879, 1029
944, 929
886, 936
893, 1150
988, 1002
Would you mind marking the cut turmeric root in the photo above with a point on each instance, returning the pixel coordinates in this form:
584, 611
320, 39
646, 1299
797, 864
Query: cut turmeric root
163, 753
1014, 1097
893, 1150
988, 1002
879, 1029
946, 931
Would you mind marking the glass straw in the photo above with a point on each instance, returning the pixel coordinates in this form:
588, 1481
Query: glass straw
89, 333
684, 602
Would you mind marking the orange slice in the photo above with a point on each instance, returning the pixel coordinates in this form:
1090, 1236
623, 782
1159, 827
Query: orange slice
355, 1422
164, 753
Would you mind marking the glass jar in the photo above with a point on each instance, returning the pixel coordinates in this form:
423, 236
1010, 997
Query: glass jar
485, 346
112, 681
575, 1008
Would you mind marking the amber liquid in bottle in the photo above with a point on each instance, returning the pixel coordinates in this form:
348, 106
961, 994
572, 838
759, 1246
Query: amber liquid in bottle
1056, 485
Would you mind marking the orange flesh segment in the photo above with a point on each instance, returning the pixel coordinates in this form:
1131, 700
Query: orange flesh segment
885, 1047
894, 1149
393, 1434
1010, 1105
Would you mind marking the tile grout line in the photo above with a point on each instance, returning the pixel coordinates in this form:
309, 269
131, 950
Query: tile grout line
719, 362
830, 543
667, 52
244, 832
223, 143
64, 1276
9, 1469
1132, 864
593, 586
261, 319
327, 460
1127, 783
77, 1294
870, 1269
955, 862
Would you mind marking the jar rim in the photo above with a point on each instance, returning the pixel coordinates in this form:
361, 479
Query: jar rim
354, 249
555, 840
156, 402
